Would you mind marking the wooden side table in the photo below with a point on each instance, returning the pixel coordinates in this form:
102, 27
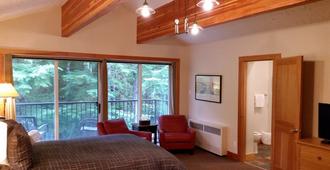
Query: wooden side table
147, 128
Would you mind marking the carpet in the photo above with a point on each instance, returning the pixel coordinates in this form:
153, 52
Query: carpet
204, 160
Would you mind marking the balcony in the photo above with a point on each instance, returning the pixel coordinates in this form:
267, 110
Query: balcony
78, 119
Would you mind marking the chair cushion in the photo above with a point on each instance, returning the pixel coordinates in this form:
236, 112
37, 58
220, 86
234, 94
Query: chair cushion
115, 126
173, 123
177, 137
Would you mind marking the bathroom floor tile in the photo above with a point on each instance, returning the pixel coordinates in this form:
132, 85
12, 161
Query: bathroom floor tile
263, 158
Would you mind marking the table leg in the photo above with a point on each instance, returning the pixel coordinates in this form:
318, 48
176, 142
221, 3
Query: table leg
155, 138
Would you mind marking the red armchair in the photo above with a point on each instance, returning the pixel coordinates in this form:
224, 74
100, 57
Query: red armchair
118, 126
175, 133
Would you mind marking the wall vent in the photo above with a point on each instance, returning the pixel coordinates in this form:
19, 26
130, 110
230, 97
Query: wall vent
210, 136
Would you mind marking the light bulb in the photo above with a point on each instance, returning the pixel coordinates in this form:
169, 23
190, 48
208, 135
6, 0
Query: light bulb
176, 21
194, 30
208, 5
145, 12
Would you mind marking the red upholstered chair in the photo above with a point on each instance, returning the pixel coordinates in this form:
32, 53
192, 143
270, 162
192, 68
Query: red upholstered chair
118, 126
175, 133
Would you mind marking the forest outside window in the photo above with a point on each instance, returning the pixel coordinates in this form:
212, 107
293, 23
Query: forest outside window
59, 98
138, 91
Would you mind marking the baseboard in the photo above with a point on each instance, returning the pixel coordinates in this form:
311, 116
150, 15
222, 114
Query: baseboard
233, 156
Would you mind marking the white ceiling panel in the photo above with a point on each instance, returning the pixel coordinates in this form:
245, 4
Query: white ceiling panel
16, 8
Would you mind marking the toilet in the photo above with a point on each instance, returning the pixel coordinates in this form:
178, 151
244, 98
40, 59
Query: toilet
266, 138
256, 139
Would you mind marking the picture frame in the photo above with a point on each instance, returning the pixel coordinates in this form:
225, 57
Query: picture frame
208, 88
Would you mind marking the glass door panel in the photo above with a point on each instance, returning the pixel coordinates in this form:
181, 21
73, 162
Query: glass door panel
155, 91
78, 98
34, 81
123, 91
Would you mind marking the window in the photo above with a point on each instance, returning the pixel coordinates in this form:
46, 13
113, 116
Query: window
138, 91
57, 97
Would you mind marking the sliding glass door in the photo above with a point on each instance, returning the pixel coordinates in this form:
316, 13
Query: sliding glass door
78, 102
34, 81
59, 98
123, 91
155, 91
138, 91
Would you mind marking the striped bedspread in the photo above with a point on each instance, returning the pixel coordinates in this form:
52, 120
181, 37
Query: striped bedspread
124, 152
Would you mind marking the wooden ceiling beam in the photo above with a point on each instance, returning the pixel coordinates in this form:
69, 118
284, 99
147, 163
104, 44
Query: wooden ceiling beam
162, 23
78, 13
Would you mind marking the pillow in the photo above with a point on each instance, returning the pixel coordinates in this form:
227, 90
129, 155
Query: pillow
35, 136
10, 125
19, 149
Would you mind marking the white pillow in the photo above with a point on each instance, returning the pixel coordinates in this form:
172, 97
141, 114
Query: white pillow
35, 136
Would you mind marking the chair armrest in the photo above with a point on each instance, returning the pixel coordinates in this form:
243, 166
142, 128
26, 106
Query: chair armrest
100, 129
143, 134
43, 129
192, 132
161, 136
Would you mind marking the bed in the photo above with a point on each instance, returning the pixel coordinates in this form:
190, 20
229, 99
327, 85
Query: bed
124, 152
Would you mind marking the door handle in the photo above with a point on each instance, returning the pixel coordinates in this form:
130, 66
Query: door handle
294, 130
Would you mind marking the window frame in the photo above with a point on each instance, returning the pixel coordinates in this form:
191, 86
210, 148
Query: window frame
140, 88
6, 74
56, 90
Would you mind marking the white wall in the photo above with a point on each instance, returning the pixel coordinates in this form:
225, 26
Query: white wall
258, 119
114, 33
302, 30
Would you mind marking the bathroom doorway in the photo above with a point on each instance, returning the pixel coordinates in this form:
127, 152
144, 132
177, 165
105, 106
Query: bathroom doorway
255, 123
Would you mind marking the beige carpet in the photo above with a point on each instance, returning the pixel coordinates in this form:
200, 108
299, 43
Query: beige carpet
203, 160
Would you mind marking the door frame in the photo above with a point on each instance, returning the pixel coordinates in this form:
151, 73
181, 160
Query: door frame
242, 84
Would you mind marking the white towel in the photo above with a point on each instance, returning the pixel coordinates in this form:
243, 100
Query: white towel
259, 100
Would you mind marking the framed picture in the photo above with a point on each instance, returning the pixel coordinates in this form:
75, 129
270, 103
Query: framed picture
208, 88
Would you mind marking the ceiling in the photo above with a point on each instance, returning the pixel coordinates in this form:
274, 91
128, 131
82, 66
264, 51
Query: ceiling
10, 9
15, 8
134, 4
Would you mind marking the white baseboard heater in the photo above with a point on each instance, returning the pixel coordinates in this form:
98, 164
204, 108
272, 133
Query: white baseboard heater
210, 136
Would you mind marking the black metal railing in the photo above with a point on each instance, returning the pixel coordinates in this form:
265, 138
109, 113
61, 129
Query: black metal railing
78, 119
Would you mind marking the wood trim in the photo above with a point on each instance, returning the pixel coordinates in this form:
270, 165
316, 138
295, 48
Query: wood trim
232, 156
242, 98
2, 66
84, 56
101, 58
103, 88
176, 87
162, 23
6, 69
76, 13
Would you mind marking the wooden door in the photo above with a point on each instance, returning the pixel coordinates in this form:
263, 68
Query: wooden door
287, 111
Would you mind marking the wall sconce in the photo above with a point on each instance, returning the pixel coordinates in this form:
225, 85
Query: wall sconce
176, 26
